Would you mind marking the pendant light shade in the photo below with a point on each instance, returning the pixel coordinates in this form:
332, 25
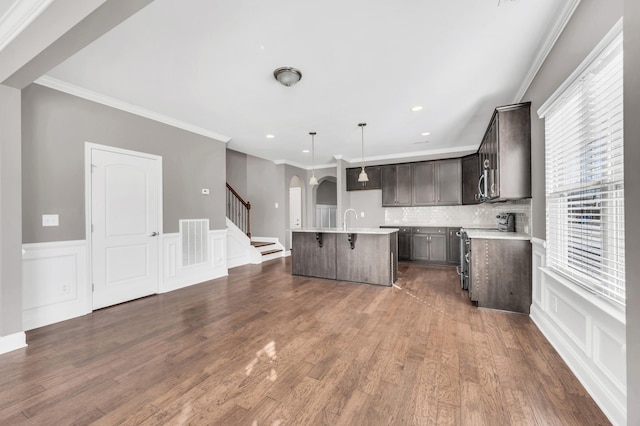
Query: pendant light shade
312, 180
363, 174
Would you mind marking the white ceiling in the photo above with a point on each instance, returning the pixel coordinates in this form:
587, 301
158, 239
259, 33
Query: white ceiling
209, 63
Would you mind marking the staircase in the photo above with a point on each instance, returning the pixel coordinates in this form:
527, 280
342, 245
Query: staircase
268, 249
242, 248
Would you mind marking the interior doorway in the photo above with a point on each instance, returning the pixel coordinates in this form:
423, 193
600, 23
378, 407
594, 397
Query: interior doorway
295, 205
124, 214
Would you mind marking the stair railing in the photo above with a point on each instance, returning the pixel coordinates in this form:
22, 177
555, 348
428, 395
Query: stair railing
238, 210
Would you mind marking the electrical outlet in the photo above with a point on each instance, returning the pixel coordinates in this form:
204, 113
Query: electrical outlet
49, 220
361, 214
276, 205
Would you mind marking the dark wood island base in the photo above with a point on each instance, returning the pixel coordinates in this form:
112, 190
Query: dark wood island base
358, 255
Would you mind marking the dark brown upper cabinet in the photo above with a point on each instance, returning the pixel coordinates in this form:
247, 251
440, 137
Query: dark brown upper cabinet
470, 177
437, 183
396, 185
373, 172
505, 155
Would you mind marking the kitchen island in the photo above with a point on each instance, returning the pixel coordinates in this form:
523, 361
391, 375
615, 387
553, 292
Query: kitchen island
364, 255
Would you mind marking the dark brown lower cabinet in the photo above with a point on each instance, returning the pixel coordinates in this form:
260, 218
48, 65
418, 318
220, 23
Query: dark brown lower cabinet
500, 276
429, 244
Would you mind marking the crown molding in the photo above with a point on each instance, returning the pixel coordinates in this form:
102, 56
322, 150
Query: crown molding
18, 17
459, 150
90, 95
545, 48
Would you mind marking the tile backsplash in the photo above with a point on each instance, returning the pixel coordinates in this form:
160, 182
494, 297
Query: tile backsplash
478, 216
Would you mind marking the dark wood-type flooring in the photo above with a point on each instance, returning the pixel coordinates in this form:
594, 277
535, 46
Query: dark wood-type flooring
262, 347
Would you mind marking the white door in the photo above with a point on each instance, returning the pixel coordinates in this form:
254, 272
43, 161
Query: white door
125, 218
295, 210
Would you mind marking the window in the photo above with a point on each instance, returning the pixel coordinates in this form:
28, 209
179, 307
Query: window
584, 173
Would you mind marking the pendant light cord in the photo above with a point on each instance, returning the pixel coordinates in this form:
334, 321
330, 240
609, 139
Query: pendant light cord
362, 128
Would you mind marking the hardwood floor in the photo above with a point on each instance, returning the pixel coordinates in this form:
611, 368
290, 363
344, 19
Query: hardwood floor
262, 347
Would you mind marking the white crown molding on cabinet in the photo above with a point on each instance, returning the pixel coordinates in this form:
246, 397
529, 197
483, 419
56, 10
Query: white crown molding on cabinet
440, 153
546, 46
80, 92
18, 17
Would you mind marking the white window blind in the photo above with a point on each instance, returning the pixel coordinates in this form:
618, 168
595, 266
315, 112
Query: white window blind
584, 176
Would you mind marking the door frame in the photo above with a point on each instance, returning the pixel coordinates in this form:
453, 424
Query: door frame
88, 193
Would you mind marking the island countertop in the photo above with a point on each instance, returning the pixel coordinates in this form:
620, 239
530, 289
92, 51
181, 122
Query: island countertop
379, 231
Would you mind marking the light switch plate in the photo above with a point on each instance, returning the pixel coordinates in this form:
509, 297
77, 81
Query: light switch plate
49, 220
361, 214
205, 191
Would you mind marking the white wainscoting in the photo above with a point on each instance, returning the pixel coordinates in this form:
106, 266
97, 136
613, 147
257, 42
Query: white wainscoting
588, 332
56, 284
176, 276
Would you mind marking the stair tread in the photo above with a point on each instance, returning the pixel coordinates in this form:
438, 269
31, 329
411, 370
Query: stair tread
261, 243
264, 253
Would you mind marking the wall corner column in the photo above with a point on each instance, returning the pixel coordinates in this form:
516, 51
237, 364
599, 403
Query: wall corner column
11, 330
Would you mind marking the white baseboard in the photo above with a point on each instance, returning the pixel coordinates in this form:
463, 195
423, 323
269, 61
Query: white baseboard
12, 342
587, 332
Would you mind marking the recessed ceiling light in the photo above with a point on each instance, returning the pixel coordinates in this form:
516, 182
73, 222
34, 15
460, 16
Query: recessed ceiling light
270, 136
306, 151
416, 108
425, 134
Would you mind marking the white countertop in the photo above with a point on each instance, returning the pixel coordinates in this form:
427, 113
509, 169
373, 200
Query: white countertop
381, 231
494, 234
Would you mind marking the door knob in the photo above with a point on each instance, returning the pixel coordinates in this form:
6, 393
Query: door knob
154, 234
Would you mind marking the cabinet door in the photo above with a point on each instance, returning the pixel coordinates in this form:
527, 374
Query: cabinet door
437, 248
424, 188
494, 175
453, 249
470, 177
404, 246
420, 247
403, 189
373, 173
389, 186
352, 179
448, 177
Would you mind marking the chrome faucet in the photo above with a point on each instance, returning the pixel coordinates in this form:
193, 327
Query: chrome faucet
344, 217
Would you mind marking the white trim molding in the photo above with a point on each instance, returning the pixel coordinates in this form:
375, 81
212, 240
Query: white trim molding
176, 276
12, 342
55, 284
18, 17
72, 89
604, 43
588, 332
545, 48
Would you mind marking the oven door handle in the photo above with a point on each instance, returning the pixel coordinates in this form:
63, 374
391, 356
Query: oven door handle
466, 257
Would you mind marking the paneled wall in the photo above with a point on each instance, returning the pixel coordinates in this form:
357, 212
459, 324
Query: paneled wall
57, 285
588, 332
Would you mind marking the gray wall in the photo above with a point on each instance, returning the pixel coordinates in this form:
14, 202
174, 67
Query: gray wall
237, 171
590, 22
10, 213
265, 188
632, 201
55, 128
326, 193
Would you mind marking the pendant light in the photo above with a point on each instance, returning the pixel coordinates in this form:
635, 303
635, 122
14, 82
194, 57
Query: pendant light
313, 181
363, 175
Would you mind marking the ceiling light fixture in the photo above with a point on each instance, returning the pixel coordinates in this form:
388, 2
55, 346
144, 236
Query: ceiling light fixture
425, 133
269, 136
363, 175
312, 180
416, 108
287, 76
306, 151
